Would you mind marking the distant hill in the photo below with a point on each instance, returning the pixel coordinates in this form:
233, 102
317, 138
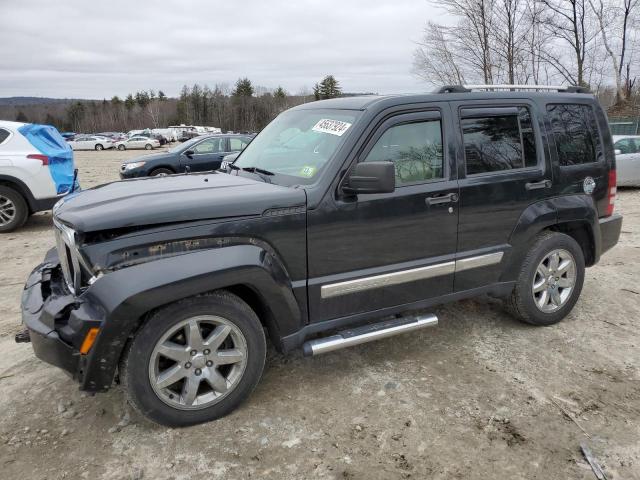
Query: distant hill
23, 101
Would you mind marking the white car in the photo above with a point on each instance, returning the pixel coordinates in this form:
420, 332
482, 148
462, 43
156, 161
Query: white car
36, 170
91, 142
138, 142
627, 148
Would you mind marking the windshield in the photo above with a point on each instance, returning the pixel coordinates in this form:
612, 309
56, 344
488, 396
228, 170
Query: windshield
297, 145
185, 146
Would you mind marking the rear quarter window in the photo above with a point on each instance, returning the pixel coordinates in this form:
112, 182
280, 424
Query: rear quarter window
576, 133
4, 135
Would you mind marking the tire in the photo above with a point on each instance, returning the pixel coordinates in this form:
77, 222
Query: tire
99, 147
161, 172
544, 295
14, 210
148, 146
143, 365
122, 148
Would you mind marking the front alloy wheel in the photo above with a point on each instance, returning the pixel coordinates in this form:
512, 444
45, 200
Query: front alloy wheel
194, 360
198, 362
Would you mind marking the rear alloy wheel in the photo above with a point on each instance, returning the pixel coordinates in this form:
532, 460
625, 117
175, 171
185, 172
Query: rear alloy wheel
550, 280
194, 360
13, 209
121, 147
99, 147
148, 146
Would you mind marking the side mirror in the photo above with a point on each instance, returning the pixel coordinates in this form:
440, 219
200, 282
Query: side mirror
188, 153
617, 152
371, 177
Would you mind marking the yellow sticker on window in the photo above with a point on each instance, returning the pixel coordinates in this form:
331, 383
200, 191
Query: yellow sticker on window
308, 171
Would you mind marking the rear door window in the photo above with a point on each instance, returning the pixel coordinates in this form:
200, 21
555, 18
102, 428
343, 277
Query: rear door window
626, 145
576, 133
497, 139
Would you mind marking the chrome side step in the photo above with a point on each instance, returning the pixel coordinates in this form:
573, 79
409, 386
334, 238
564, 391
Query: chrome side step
368, 333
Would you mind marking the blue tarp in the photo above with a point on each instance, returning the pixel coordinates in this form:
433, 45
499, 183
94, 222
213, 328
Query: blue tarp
50, 143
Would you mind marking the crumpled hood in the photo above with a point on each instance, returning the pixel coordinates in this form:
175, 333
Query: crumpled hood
171, 199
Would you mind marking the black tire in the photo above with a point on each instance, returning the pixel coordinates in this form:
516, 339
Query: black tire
134, 367
99, 147
13, 216
148, 146
161, 172
522, 303
121, 147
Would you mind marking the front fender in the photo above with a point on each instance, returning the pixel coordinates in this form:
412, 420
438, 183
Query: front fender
126, 295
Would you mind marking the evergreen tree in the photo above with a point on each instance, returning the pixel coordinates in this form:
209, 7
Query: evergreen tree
244, 88
329, 87
115, 101
129, 102
280, 94
161, 96
21, 117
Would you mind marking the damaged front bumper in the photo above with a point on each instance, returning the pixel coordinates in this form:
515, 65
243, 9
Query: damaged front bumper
58, 321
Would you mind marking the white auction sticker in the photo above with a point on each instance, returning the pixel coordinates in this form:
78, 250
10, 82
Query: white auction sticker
334, 127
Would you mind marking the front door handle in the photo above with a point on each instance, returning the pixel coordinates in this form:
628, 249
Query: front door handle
538, 185
439, 199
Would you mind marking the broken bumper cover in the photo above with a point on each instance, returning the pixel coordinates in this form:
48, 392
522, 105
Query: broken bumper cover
58, 321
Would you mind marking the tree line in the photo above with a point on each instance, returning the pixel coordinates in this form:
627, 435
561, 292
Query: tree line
592, 43
243, 108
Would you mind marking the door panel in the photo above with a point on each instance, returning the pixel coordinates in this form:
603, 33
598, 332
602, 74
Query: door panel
207, 155
381, 250
502, 169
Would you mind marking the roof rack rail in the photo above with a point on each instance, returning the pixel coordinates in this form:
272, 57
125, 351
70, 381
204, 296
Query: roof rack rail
469, 88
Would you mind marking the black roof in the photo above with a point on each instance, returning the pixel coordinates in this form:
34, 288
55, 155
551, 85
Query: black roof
366, 102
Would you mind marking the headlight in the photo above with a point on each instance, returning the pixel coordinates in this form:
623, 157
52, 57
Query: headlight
132, 165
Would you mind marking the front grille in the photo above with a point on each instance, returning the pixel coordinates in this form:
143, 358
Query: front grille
68, 261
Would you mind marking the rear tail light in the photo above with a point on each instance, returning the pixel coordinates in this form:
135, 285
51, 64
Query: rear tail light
611, 192
36, 156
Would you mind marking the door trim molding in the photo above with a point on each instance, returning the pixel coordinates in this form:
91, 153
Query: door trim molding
331, 290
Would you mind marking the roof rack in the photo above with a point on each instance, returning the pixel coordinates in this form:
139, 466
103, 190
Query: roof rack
470, 88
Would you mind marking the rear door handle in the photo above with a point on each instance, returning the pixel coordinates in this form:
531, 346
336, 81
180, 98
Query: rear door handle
538, 185
439, 199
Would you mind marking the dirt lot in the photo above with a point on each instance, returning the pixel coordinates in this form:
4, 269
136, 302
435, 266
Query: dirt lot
481, 396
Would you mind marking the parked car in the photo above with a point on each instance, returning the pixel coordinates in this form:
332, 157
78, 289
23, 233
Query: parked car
91, 142
351, 215
68, 135
227, 159
200, 154
138, 142
36, 170
627, 149
114, 136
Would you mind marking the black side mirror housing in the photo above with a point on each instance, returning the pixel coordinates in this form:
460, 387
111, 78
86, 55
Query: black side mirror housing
371, 177
188, 153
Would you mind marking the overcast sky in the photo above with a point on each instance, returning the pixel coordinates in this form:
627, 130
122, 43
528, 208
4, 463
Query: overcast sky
91, 49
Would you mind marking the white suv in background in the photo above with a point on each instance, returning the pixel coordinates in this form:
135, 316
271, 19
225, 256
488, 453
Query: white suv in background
36, 170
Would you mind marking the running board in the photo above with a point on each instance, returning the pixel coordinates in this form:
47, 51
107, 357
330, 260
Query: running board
368, 333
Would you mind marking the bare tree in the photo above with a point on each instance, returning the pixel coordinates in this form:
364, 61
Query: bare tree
569, 22
434, 60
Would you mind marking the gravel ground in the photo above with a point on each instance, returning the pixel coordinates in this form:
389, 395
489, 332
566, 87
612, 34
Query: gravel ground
480, 396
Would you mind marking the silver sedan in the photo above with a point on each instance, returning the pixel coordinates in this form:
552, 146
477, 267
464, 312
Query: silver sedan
138, 142
627, 148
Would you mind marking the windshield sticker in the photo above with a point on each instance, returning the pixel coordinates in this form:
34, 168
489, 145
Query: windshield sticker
308, 171
334, 127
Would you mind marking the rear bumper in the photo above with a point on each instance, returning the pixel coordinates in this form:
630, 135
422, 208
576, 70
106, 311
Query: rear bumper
610, 228
58, 321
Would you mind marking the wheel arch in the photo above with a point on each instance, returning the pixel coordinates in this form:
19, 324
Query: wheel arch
573, 215
22, 189
248, 271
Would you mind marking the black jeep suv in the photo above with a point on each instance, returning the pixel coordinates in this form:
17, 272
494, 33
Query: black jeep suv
340, 223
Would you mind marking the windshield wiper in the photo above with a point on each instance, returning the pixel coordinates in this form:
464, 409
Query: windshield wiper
263, 174
257, 170
232, 166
